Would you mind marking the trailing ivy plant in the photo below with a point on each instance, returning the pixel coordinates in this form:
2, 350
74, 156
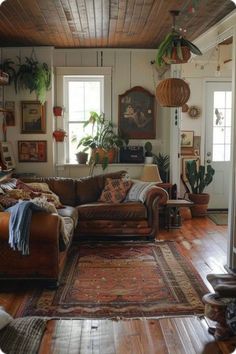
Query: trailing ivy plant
33, 76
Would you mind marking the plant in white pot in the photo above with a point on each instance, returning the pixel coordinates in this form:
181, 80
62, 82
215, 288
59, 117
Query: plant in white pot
148, 153
198, 178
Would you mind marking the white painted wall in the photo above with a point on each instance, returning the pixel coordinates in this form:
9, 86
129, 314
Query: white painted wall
129, 68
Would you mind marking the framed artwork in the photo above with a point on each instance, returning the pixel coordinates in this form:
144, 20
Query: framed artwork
186, 138
185, 160
32, 151
6, 155
187, 151
136, 118
33, 117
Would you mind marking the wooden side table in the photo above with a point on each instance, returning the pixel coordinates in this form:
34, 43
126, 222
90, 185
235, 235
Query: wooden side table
172, 215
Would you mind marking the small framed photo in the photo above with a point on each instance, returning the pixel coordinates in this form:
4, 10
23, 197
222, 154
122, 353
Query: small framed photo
32, 151
6, 155
186, 138
33, 117
185, 160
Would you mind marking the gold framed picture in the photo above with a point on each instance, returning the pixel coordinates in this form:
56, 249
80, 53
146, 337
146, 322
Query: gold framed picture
32, 151
33, 117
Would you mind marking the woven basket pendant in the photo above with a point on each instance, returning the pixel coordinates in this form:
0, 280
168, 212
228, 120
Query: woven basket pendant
172, 92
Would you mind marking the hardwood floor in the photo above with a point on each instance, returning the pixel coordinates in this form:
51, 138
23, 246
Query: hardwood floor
205, 244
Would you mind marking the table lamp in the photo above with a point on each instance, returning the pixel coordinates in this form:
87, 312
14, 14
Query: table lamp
151, 174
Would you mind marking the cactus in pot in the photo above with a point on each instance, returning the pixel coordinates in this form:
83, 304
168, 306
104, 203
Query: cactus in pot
198, 178
148, 152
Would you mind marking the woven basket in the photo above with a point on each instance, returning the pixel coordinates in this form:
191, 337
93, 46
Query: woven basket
172, 92
174, 59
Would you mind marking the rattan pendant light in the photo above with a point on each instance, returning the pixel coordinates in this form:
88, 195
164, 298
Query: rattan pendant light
172, 92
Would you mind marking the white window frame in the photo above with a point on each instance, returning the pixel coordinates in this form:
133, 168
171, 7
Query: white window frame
62, 72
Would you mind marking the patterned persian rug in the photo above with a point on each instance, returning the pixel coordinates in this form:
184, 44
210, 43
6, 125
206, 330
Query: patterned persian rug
123, 280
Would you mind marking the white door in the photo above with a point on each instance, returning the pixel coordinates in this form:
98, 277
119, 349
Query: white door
218, 141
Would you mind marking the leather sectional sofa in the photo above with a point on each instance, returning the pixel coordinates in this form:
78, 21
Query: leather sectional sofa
96, 220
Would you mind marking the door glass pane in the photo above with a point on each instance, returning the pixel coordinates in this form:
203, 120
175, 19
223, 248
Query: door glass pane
228, 99
227, 152
218, 153
218, 135
221, 126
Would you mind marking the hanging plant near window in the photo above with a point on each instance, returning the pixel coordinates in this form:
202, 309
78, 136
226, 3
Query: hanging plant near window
33, 76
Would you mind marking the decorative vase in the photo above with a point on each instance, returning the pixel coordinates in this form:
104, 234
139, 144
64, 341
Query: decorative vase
57, 111
201, 201
82, 157
59, 135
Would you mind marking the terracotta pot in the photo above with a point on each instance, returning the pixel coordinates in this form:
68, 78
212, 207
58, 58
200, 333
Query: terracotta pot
59, 135
82, 157
102, 153
201, 202
57, 111
174, 59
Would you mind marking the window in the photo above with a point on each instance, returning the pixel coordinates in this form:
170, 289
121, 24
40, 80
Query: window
82, 94
79, 90
222, 126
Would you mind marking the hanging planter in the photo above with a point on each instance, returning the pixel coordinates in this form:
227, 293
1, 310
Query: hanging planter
59, 135
172, 92
57, 111
175, 49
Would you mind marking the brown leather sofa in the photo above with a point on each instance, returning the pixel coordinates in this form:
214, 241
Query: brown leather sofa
96, 220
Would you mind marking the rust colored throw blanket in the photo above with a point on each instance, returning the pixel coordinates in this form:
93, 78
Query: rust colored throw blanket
125, 280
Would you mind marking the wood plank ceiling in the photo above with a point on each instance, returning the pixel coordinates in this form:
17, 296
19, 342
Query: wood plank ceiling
103, 23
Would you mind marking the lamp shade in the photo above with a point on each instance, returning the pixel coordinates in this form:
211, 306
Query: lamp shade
151, 174
172, 92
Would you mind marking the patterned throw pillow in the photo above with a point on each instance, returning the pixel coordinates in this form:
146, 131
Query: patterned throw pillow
9, 184
115, 190
139, 190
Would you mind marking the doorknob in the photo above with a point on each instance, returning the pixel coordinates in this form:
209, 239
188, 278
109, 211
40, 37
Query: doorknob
208, 161
208, 153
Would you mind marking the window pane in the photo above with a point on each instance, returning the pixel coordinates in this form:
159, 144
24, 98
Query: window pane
219, 117
228, 117
92, 96
228, 135
219, 99
218, 153
76, 101
228, 99
218, 135
227, 152
77, 131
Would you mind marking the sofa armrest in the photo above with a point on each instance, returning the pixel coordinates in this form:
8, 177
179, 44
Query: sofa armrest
155, 197
44, 227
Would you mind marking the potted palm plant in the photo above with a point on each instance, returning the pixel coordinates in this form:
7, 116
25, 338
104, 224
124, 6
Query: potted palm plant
198, 179
103, 141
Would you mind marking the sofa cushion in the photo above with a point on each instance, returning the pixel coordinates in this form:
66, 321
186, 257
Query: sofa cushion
89, 189
115, 190
69, 211
119, 211
7, 201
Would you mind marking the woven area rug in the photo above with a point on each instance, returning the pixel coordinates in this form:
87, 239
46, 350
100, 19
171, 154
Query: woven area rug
122, 280
219, 218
